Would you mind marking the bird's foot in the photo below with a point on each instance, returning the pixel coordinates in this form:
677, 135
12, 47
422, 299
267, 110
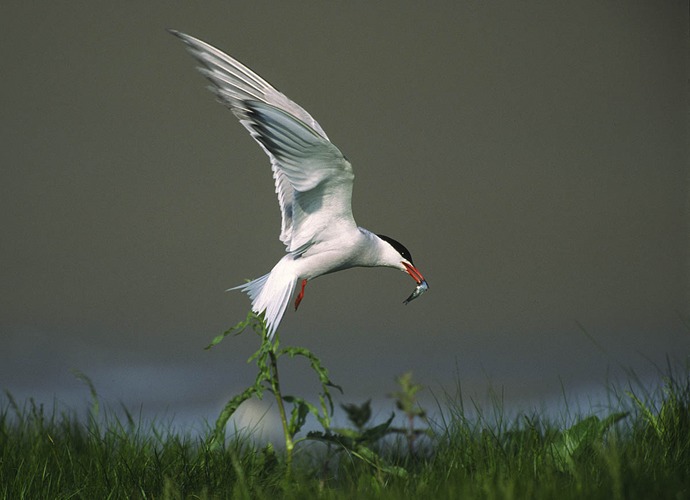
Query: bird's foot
301, 294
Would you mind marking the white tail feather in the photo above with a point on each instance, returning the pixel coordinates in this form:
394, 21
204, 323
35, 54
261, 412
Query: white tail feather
271, 293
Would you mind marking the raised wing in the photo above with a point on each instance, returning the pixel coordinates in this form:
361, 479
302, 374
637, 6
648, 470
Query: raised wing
318, 176
313, 180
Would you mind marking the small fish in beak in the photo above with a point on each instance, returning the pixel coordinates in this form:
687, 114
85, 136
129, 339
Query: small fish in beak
422, 285
421, 288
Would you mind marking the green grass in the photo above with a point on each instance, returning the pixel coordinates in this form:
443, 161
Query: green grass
638, 448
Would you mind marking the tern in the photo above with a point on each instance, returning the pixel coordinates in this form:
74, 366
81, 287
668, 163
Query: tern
313, 181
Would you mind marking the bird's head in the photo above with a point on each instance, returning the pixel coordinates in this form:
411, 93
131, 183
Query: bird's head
396, 255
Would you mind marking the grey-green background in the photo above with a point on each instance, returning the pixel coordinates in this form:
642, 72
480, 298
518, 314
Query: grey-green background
532, 155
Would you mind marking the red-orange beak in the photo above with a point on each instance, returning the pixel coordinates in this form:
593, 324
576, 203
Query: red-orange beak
412, 271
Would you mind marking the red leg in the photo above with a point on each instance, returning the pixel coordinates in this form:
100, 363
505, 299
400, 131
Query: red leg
301, 294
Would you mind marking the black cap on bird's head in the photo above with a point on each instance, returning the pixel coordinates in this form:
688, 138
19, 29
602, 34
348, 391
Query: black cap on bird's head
399, 247
408, 266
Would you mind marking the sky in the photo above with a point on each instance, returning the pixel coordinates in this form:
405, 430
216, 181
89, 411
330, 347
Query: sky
533, 156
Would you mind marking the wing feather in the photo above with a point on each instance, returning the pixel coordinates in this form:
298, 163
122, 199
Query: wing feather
310, 173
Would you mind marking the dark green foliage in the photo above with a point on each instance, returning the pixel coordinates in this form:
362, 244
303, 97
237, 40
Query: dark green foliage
640, 449
359, 445
268, 379
586, 437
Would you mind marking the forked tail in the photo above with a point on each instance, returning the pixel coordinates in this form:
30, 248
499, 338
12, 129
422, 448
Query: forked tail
270, 295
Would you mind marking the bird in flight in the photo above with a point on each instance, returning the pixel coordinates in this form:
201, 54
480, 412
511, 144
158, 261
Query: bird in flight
313, 181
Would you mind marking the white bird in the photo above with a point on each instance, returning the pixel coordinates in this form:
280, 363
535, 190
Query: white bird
313, 181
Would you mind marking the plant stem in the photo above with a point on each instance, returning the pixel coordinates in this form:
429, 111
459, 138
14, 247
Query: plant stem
275, 385
410, 434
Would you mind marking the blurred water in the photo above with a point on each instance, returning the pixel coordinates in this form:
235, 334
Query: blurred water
174, 396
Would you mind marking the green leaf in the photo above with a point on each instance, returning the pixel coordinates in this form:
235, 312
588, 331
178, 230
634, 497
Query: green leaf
92, 389
332, 438
348, 433
315, 363
251, 320
372, 458
324, 417
227, 412
377, 432
359, 415
581, 438
406, 397
298, 417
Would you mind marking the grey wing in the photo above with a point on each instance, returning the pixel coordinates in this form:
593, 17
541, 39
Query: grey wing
305, 164
318, 174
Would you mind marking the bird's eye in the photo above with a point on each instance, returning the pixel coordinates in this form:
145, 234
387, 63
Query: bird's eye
399, 247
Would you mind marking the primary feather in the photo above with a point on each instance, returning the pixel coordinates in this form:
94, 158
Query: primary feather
305, 164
